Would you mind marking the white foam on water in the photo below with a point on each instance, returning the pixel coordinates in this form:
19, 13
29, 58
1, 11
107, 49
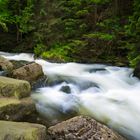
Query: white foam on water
114, 98
109, 94
13, 56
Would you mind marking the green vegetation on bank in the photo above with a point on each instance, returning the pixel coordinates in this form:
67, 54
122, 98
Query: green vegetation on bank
106, 31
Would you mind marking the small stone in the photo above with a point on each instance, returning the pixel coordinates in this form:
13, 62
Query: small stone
66, 89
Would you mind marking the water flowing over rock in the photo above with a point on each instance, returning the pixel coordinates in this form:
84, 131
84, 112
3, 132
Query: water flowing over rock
21, 131
5, 64
82, 128
30, 72
12, 87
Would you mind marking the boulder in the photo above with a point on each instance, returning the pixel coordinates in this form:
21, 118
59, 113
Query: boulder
16, 110
12, 87
5, 64
137, 70
21, 131
81, 128
30, 72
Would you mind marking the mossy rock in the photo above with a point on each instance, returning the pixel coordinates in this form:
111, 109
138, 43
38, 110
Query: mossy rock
16, 110
21, 131
12, 87
5, 64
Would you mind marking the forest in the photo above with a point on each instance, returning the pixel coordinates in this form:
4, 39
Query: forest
69, 69
103, 31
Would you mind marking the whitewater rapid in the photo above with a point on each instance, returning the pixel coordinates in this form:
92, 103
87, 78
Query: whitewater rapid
109, 94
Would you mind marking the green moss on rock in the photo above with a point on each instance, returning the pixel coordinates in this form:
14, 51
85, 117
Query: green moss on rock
16, 110
12, 87
21, 131
5, 64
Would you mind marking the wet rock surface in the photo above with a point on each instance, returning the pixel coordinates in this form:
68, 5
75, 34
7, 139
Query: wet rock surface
5, 64
81, 128
41, 82
66, 89
21, 131
15, 110
30, 72
10, 87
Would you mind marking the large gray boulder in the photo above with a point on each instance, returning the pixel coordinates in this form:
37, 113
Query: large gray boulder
5, 64
30, 72
11, 87
16, 110
21, 131
82, 128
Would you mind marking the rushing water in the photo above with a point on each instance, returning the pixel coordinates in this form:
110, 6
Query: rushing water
109, 94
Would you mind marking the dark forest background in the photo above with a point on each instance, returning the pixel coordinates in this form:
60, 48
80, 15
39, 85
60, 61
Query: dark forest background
86, 31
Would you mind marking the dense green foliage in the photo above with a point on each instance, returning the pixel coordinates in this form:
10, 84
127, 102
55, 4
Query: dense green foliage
106, 31
17, 13
133, 31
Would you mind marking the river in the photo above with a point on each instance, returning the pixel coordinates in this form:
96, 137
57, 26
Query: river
109, 94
